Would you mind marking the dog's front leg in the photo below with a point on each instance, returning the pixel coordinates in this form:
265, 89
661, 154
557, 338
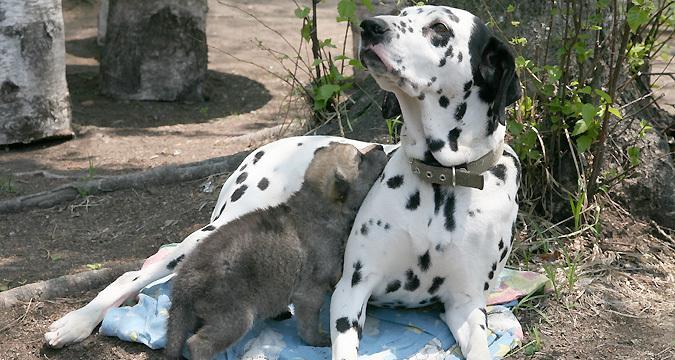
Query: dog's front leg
468, 322
78, 324
348, 313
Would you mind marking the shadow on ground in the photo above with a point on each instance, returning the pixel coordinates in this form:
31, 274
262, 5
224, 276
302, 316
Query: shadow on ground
226, 94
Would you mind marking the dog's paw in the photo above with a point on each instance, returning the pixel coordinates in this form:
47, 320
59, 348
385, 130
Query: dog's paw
72, 328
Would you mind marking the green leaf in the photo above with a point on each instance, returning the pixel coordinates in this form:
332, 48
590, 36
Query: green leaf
580, 127
346, 10
584, 143
511, 8
614, 111
369, 5
515, 23
306, 31
588, 112
95, 266
636, 17
604, 96
326, 91
316, 62
634, 155
302, 13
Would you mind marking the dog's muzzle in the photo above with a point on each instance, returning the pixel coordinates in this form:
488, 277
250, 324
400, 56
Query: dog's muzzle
374, 31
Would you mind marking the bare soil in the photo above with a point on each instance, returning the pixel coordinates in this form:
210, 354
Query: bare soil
620, 307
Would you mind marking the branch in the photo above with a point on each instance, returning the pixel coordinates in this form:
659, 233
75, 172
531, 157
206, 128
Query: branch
65, 285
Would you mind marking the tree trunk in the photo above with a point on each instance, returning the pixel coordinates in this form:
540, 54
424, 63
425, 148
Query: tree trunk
34, 100
155, 50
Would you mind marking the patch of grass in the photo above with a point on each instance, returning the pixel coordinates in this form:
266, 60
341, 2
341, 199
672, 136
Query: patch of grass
6, 185
393, 125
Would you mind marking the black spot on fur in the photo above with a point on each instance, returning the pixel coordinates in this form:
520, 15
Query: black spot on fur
242, 167
442, 62
439, 196
449, 52
468, 85
263, 184
494, 266
412, 281
364, 229
209, 228
453, 135
460, 111
421, 97
413, 201
443, 101
405, 13
238, 193
449, 212
136, 278
467, 94
241, 178
436, 284
460, 57
501, 244
482, 326
356, 277
342, 324
299, 144
516, 163
357, 326
257, 156
419, 10
433, 79
174, 262
424, 261
435, 144
371, 221
499, 171
491, 275
451, 15
501, 258
386, 226
395, 181
393, 286
379, 222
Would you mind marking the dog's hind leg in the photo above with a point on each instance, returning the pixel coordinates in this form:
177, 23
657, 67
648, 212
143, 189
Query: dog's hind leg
467, 321
347, 315
78, 324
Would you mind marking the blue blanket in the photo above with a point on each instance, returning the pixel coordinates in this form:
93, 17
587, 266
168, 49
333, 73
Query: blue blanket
388, 334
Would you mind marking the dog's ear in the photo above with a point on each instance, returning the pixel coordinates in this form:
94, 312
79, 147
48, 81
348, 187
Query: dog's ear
497, 68
390, 106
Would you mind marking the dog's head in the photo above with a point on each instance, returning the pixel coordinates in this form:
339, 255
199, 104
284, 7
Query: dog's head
452, 77
344, 174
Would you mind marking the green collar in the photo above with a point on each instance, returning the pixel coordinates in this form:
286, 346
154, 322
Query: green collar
468, 175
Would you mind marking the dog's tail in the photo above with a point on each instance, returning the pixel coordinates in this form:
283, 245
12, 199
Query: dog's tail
182, 321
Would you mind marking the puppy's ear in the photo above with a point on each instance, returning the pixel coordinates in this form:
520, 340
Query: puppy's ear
497, 68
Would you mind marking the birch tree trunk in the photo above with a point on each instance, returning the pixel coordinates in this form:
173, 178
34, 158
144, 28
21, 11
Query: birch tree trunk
34, 99
155, 50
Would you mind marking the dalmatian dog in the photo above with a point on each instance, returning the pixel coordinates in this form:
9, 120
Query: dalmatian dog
266, 178
448, 195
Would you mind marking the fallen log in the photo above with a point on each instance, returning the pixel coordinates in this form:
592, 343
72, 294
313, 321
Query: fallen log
66, 285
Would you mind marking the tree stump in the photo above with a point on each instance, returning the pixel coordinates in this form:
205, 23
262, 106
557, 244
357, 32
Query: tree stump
34, 100
155, 50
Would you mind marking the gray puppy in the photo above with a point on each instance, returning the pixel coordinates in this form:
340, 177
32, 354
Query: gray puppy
253, 267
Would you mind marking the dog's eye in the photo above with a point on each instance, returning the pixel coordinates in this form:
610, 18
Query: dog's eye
439, 28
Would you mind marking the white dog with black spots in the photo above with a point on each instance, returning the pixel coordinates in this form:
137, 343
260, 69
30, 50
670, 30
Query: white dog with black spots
443, 243
413, 242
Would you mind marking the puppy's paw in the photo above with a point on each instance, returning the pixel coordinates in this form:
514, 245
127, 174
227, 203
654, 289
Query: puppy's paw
317, 339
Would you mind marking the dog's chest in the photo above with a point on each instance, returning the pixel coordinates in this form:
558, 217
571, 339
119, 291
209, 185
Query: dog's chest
437, 235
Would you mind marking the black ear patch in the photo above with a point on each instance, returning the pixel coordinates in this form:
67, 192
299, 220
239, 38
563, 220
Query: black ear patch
494, 71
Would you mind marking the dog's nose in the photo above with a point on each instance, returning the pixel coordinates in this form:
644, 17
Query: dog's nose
374, 30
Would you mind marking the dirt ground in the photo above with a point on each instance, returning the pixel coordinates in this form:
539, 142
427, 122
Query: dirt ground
621, 306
